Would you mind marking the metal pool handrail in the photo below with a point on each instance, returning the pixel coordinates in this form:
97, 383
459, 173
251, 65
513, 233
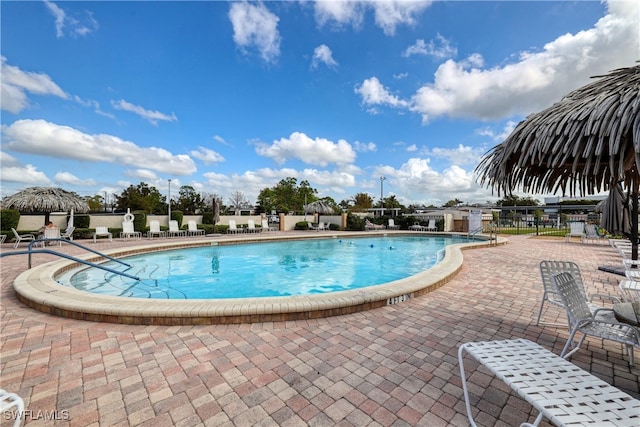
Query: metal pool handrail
30, 251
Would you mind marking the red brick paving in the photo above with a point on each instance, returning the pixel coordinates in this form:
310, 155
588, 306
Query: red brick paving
391, 366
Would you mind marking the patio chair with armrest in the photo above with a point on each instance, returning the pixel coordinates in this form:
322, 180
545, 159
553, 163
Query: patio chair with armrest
431, 226
174, 229
251, 226
550, 268
22, 238
68, 233
576, 229
193, 230
582, 320
591, 233
128, 231
392, 225
233, 228
50, 234
155, 230
102, 232
266, 227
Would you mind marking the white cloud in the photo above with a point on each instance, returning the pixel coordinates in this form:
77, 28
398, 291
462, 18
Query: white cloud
374, 93
80, 26
460, 155
15, 83
313, 151
151, 116
11, 170
388, 14
145, 175
323, 55
440, 48
68, 178
254, 26
364, 146
43, 138
207, 156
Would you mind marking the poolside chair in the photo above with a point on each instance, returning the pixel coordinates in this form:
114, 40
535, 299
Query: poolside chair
102, 232
312, 226
630, 290
251, 226
576, 229
323, 227
22, 238
51, 233
174, 230
193, 229
233, 228
431, 226
550, 268
154, 229
591, 234
266, 227
392, 225
128, 231
8, 401
582, 320
68, 233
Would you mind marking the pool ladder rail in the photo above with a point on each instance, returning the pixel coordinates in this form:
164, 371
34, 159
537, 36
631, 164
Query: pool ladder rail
30, 250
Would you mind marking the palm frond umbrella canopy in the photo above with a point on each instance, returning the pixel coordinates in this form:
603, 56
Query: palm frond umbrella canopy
583, 144
320, 206
45, 200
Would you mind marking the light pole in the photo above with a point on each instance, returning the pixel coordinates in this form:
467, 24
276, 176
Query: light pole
382, 178
169, 200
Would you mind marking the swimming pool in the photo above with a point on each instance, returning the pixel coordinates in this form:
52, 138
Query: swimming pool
38, 288
270, 269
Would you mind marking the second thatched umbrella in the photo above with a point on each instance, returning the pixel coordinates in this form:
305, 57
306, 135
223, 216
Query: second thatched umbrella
45, 200
580, 145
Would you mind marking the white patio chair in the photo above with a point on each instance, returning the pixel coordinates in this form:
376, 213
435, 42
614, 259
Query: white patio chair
591, 234
392, 225
68, 233
431, 225
52, 233
550, 268
582, 320
630, 290
174, 230
576, 229
312, 226
193, 230
266, 227
102, 232
154, 229
8, 401
251, 226
233, 228
128, 231
22, 238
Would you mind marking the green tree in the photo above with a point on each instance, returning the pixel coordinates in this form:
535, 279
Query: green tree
96, 203
141, 197
362, 202
452, 203
514, 200
286, 196
189, 201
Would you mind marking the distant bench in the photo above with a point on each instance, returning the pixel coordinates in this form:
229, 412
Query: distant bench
563, 393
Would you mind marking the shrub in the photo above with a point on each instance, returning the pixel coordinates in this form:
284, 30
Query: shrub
301, 225
139, 220
354, 223
81, 221
9, 219
178, 216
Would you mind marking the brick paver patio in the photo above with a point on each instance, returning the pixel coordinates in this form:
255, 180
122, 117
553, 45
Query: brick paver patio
391, 366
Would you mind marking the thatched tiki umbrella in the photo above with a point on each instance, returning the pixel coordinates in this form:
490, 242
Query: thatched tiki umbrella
320, 207
45, 200
583, 144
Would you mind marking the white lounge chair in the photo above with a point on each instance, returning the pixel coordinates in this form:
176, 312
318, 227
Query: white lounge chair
323, 227
591, 233
582, 320
68, 233
51, 233
431, 226
174, 230
312, 226
8, 401
266, 227
102, 232
22, 238
392, 225
368, 225
128, 231
193, 229
550, 268
576, 229
251, 226
233, 228
154, 229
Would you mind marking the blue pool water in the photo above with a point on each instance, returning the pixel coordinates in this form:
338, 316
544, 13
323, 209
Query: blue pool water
281, 268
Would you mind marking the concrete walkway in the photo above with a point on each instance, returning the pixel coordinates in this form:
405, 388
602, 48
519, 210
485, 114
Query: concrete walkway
391, 366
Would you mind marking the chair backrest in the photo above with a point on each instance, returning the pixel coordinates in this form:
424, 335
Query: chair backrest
102, 230
572, 298
15, 233
52, 233
265, 224
192, 225
392, 222
232, 224
69, 231
548, 269
432, 223
173, 225
127, 226
577, 228
250, 224
154, 226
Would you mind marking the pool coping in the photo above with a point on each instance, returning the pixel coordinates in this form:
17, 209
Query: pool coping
38, 289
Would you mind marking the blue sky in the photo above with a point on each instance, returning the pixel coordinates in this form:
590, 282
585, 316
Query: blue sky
235, 96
